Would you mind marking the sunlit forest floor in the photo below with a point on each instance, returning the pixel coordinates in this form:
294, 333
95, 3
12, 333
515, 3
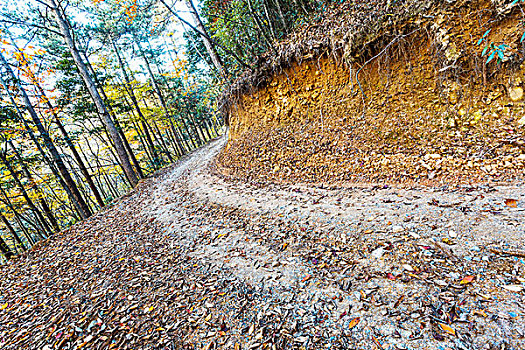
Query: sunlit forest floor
188, 260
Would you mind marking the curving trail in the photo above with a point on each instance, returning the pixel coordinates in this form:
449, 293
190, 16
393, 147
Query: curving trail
189, 260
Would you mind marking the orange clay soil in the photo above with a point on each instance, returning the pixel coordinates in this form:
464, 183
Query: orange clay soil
427, 110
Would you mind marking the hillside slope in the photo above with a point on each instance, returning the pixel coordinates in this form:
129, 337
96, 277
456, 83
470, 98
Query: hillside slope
189, 261
375, 94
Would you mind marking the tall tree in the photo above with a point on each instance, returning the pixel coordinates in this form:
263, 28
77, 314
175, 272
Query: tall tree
19, 244
90, 84
40, 217
129, 88
210, 48
5, 250
83, 208
43, 203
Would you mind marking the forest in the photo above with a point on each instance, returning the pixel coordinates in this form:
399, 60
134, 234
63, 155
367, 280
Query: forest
99, 94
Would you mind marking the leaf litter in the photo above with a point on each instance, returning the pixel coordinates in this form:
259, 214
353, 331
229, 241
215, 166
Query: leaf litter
189, 261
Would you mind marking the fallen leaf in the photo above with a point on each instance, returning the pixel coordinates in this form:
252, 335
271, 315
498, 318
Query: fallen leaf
148, 309
448, 241
399, 300
447, 329
513, 203
377, 342
467, 279
3, 306
480, 313
306, 278
354, 323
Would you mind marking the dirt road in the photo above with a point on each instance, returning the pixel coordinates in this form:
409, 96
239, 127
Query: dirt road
189, 260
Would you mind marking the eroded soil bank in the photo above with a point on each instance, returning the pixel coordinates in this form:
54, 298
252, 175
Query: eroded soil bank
423, 109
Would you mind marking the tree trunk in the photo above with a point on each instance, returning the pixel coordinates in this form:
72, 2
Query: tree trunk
129, 89
281, 16
98, 165
90, 84
18, 218
205, 122
158, 135
179, 148
267, 14
43, 222
255, 17
141, 140
19, 244
114, 115
47, 161
194, 126
162, 141
210, 39
5, 250
156, 87
205, 38
43, 202
80, 162
188, 132
180, 132
153, 81
72, 148
83, 208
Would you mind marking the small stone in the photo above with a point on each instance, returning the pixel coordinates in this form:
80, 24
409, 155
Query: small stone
452, 234
408, 267
516, 93
378, 253
454, 275
397, 229
514, 288
414, 235
301, 339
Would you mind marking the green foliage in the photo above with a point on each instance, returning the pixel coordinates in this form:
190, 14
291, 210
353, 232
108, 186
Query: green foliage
250, 33
493, 50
